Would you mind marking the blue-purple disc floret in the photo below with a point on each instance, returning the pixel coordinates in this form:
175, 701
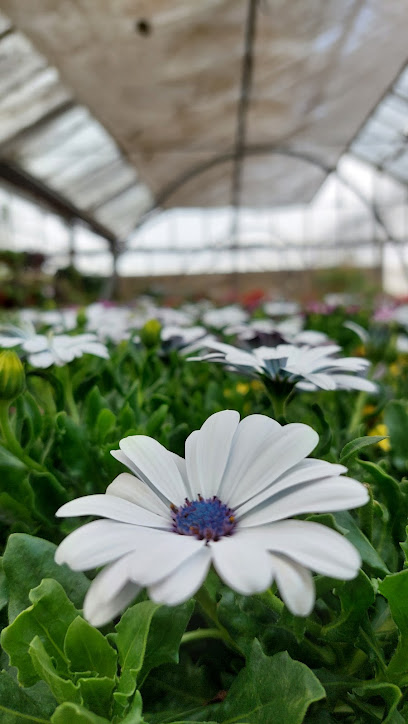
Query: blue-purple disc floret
205, 518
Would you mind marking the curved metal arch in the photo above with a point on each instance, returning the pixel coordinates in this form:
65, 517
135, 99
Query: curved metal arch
259, 150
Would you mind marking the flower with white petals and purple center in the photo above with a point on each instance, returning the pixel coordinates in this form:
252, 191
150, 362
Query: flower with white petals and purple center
230, 503
304, 367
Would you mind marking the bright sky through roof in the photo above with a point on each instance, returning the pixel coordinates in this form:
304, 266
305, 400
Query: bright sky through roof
337, 223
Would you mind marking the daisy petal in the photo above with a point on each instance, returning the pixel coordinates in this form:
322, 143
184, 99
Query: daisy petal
161, 557
184, 581
154, 464
295, 584
321, 380
306, 471
100, 542
41, 359
109, 593
113, 508
210, 449
248, 438
327, 495
181, 465
243, 564
353, 382
130, 488
311, 544
278, 453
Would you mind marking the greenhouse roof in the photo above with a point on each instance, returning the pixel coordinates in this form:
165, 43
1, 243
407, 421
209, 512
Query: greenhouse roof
120, 108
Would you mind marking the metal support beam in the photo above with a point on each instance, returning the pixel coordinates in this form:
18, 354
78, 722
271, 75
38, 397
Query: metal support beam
243, 104
52, 200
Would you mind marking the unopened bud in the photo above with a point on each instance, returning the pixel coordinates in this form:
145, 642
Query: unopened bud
150, 333
12, 377
81, 318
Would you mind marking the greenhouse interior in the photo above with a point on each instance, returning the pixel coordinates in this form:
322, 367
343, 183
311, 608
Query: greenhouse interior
203, 233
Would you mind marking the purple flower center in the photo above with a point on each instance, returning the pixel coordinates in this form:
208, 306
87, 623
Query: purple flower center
206, 519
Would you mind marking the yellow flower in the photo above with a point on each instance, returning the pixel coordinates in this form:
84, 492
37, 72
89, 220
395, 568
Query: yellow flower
395, 369
257, 385
242, 388
381, 429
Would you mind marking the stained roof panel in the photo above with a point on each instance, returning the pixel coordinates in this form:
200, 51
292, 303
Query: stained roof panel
55, 140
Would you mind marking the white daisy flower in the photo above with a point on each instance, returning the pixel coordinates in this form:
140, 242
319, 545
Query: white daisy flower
281, 308
224, 316
228, 503
12, 336
270, 333
186, 339
400, 315
301, 366
108, 322
46, 350
401, 344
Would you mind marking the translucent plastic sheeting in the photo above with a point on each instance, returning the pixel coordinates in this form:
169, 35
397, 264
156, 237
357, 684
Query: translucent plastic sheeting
383, 140
45, 133
171, 95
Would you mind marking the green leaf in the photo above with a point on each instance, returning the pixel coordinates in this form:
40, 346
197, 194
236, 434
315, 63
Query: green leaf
156, 420
11, 511
395, 590
48, 617
391, 695
173, 691
134, 715
344, 523
127, 418
105, 423
396, 420
16, 704
97, 693
69, 713
325, 433
3, 587
131, 640
49, 494
163, 642
246, 618
353, 447
33, 417
88, 650
388, 486
94, 403
270, 689
26, 561
62, 689
355, 596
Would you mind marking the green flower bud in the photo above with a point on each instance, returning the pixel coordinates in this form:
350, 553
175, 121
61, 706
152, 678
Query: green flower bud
150, 333
12, 377
81, 318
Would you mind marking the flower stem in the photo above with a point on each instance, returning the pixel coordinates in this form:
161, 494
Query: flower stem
210, 609
366, 515
65, 378
358, 411
11, 441
202, 633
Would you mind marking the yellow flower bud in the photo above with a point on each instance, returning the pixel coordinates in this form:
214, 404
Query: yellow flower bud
150, 333
12, 377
